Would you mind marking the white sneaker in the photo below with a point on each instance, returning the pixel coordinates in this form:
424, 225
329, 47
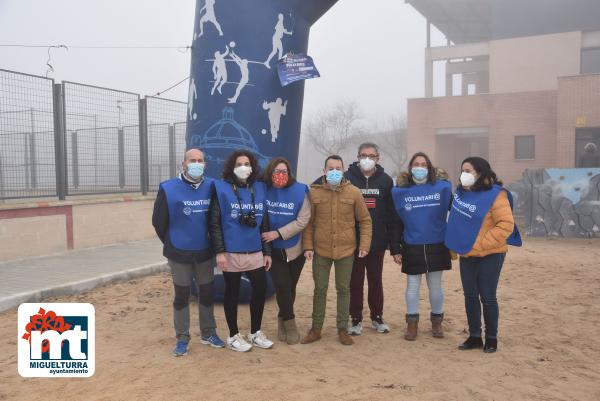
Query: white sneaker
237, 343
380, 326
355, 330
260, 340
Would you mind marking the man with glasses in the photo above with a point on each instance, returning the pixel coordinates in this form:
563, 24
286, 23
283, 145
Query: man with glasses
376, 186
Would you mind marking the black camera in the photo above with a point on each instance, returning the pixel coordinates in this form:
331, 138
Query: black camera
248, 219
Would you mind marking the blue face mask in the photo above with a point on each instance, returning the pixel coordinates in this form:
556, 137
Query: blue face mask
334, 177
195, 170
419, 173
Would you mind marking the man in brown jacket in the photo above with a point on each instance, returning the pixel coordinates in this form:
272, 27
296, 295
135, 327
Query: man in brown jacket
330, 238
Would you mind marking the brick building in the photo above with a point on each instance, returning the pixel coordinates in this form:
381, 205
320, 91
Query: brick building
521, 87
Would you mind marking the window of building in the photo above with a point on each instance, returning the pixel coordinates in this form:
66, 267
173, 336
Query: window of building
525, 147
590, 61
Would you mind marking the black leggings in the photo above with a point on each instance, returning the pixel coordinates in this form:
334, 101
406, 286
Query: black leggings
285, 277
258, 281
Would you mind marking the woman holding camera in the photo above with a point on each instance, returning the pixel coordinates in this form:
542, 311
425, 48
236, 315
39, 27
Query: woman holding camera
237, 219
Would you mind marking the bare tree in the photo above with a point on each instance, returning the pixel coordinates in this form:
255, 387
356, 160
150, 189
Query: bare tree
330, 131
392, 143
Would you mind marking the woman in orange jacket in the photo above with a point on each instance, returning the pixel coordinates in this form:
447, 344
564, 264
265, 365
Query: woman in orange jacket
480, 228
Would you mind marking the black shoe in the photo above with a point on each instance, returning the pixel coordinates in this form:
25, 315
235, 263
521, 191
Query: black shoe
491, 345
471, 343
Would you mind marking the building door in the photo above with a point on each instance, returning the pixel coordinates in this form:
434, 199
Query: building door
585, 154
453, 145
451, 150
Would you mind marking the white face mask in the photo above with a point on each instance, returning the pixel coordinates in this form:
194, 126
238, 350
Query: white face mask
467, 179
367, 164
242, 172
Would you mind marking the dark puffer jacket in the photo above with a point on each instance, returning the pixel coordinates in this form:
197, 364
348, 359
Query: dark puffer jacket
377, 193
418, 259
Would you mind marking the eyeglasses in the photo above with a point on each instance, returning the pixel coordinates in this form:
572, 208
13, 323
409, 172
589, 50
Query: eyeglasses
276, 171
370, 156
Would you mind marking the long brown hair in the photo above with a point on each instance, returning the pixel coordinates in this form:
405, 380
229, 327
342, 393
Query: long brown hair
271, 167
431, 173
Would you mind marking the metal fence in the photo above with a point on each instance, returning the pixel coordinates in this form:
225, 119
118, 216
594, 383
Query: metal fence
27, 153
76, 139
102, 127
166, 138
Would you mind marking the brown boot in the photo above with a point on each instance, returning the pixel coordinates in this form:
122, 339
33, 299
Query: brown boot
411, 327
291, 331
436, 325
281, 335
345, 339
312, 336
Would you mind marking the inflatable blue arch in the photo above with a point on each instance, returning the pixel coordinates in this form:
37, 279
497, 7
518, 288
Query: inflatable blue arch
245, 288
235, 98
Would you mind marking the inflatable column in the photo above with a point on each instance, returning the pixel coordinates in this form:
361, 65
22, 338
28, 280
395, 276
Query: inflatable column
235, 99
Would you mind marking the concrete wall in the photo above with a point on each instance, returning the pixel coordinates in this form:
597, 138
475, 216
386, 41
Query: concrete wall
109, 223
32, 236
578, 99
533, 63
41, 228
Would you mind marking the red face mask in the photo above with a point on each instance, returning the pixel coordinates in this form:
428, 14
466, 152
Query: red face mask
280, 180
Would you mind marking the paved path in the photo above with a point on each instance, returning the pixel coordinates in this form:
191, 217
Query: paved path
31, 280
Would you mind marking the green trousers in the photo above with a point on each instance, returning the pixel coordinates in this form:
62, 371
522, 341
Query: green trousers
343, 272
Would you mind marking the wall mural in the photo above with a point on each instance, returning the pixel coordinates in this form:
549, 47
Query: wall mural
560, 202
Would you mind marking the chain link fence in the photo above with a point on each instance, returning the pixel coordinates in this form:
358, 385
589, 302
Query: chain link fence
76, 139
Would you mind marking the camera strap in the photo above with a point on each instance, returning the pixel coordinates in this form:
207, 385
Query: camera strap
239, 199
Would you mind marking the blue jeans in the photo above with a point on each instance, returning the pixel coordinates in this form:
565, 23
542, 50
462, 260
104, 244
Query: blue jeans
436, 294
479, 278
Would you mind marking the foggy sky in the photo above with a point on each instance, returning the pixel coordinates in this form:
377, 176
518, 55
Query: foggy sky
369, 52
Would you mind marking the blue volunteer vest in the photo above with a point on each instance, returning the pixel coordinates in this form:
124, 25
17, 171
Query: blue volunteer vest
283, 206
466, 217
188, 213
423, 210
237, 237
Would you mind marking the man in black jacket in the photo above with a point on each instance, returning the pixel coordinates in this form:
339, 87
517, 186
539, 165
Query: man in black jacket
376, 187
180, 219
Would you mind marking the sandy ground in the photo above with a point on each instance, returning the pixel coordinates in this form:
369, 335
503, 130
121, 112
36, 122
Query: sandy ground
549, 344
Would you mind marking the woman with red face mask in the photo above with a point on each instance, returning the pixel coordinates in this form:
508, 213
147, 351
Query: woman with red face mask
288, 209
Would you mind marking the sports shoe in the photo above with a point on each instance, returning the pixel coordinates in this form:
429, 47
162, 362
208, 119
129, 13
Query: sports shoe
260, 340
213, 340
378, 325
181, 348
237, 343
355, 329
